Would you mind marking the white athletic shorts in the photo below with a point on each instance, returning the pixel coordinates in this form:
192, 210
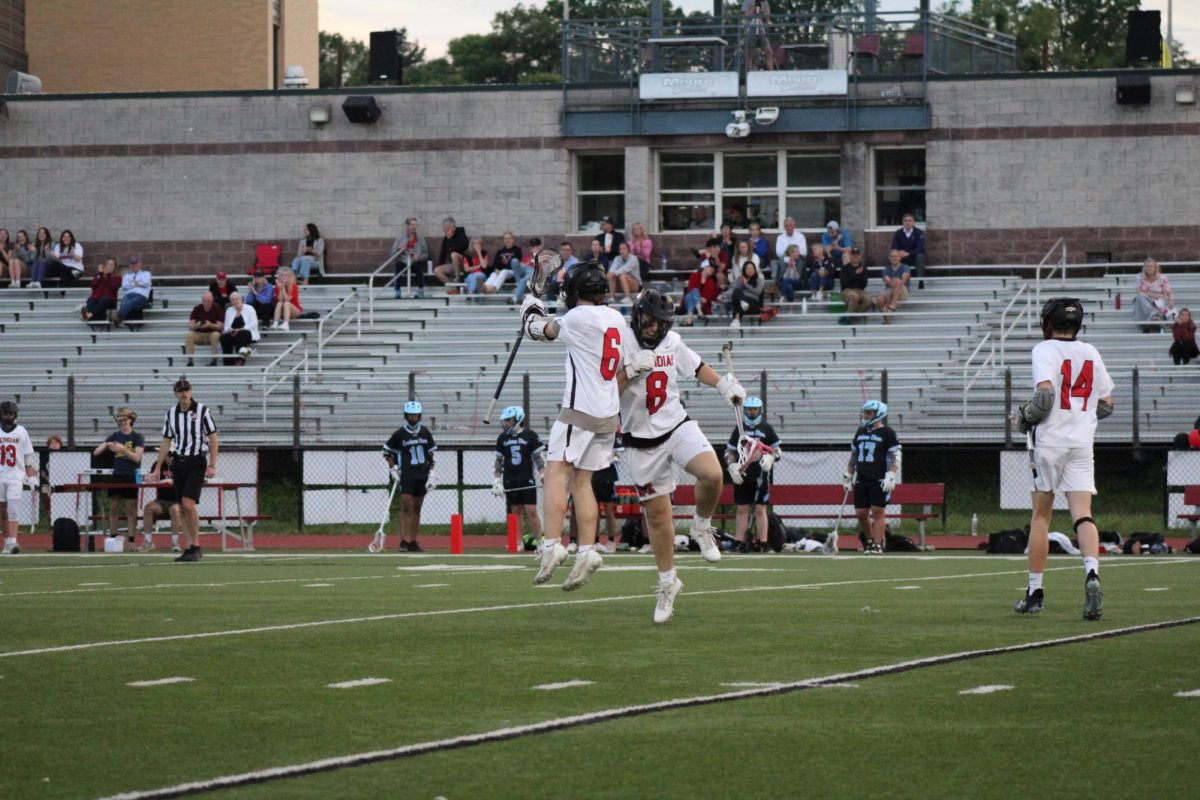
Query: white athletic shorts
10, 492
650, 468
1063, 469
579, 448
497, 278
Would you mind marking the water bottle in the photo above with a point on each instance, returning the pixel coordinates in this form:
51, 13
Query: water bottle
803, 305
664, 261
137, 476
1118, 301
974, 524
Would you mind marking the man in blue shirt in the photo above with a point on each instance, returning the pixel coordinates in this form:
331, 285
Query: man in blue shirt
136, 284
911, 240
895, 285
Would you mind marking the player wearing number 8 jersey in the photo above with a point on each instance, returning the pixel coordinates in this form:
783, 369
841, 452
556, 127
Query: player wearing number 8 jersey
581, 438
658, 434
1072, 391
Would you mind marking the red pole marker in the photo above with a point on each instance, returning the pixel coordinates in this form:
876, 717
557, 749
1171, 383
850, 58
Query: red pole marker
513, 529
456, 546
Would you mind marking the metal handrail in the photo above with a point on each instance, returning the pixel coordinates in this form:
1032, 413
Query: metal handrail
371, 284
990, 360
1026, 312
1062, 264
322, 339
302, 363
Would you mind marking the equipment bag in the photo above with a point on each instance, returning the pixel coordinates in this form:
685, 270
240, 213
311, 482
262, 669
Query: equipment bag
1009, 542
775, 532
1193, 547
632, 534
66, 535
899, 544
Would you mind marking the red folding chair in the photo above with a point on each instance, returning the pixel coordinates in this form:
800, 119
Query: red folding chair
266, 258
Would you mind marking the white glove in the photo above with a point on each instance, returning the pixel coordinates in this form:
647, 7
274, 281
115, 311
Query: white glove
736, 475
431, 482
767, 461
539, 476
641, 361
888, 483
847, 481
395, 472
31, 481
535, 327
731, 390
498, 486
532, 306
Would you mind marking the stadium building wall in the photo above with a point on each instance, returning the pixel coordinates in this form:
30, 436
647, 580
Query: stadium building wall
194, 181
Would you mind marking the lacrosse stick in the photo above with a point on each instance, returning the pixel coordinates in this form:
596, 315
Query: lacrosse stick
377, 544
546, 265
727, 354
831, 542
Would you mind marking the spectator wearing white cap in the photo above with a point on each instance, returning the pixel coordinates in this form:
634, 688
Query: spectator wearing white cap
789, 237
837, 242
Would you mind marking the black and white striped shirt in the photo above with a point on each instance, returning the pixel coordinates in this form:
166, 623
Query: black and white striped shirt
189, 430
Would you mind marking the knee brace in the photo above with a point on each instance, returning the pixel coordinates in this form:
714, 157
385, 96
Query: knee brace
1082, 520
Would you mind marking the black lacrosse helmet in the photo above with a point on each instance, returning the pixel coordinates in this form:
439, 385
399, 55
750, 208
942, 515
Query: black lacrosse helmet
587, 281
8, 416
1062, 314
652, 306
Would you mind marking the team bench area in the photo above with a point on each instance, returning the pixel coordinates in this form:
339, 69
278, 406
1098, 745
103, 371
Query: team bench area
785, 497
1191, 497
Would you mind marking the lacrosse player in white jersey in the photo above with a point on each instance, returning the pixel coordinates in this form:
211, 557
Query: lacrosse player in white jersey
582, 436
1072, 390
16, 470
658, 433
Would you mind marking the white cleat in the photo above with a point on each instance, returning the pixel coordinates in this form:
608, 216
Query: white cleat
665, 606
12, 549
829, 548
581, 573
552, 559
708, 543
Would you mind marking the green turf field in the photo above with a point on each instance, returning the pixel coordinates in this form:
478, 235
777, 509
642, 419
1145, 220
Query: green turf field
462, 642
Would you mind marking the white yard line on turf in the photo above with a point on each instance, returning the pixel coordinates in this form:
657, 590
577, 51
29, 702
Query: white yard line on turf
430, 585
206, 585
990, 688
604, 715
161, 681
1192, 693
446, 612
550, 687
359, 682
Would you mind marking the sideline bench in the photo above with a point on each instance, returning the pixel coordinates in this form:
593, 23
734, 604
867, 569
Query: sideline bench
926, 495
1191, 497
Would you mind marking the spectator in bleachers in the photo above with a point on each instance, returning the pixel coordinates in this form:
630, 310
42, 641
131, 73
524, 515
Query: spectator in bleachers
106, 284
22, 257
714, 256
137, 285
701, 293
450, 257
699, 219
1184, 349
260, 295
911, 240
756, 16
747, 292
477, 265
287, 300
221, 288
895, 285
122, 449
567, 251
43, 256
760, 246
819, 271
505, 263
597, 253
69, 255
837, 242
640, 246
610, 239
1154, 300
239, 331
6, 248
310, 254
728, 242
624, 273
790, 273
854, 288
204, 327
790, 236
743, 254
523, 269
413, 256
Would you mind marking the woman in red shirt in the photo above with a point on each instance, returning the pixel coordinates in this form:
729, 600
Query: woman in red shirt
105, 285
1184, 349
701, 292
287, 299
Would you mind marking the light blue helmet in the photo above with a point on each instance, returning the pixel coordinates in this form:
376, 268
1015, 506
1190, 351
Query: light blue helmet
877, 409
412, 407
515, 413
750, 402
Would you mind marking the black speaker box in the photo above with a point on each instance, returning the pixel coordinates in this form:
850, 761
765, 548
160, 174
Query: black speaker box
1133, 90
384, 62
1143, 40
361, 108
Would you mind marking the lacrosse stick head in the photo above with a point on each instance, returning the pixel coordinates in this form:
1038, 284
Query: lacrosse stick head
750, 451
546, 264
376, 545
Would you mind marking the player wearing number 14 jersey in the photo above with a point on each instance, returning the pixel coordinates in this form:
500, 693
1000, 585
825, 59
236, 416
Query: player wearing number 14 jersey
1072, 391
658, 434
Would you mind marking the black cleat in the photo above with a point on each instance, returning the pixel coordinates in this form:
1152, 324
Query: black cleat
191, 555
413, 547
1031, 603
403, 546
1093, 598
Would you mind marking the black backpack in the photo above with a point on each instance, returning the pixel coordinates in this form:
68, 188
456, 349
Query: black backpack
1193, 547
632, 534
1010, 542
894, 543
775, 532
66, 535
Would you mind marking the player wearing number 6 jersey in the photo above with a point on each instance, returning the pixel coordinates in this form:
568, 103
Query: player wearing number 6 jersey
16, 468
581, 438
658, 434
1072, 391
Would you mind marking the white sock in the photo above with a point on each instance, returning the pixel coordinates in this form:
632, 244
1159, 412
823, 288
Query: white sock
703, 523
10, 540
584, 549
1091, 565
1035, 581
147, 537
666, 578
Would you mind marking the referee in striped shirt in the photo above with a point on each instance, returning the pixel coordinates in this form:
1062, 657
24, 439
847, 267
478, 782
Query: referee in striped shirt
190, 436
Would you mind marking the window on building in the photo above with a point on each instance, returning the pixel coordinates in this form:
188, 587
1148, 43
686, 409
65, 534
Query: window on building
700, 191
899, 185
599, 190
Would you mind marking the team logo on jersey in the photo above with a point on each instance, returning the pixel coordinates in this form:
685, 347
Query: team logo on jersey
664, 360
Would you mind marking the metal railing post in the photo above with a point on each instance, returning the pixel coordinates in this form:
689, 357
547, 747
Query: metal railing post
296, 410
1134, 410
883, 386
525, 394
412, 384
70, 411
1007, 407
762, 391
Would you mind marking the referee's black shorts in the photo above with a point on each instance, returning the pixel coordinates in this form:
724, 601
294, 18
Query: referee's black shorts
188, 472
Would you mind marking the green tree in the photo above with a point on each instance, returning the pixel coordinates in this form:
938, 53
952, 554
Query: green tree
356, 58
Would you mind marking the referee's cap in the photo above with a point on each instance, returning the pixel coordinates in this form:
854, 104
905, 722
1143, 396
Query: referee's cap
182, 385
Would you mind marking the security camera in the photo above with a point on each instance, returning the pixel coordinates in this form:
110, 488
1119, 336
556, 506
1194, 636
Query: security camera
737, 130
766, 115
